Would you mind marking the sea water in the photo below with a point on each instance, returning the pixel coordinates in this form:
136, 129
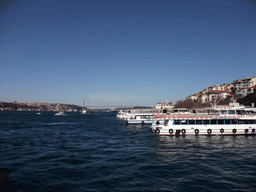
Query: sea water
98, 152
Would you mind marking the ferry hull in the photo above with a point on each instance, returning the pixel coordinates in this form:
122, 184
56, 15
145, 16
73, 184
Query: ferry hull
177, 135
205, 130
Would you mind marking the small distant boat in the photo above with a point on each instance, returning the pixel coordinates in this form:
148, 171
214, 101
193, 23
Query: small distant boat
38, 113
61, 113
83, 110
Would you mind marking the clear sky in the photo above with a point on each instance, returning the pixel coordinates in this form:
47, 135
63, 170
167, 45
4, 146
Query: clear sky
122, 52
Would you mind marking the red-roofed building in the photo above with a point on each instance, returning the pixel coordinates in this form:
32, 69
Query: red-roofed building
217, 94
212, 93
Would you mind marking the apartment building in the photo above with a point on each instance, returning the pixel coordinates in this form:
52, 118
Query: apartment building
244, 86
241, 86
212, 93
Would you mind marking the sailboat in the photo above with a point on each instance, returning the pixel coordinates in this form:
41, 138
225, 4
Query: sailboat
83, 110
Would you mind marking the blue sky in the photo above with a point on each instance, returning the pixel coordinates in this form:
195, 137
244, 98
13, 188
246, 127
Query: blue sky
122, 52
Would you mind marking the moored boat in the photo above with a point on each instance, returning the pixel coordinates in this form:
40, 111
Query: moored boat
232, 119
136, 116
139, 118
121, 114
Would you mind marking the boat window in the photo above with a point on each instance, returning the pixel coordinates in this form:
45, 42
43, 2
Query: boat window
243, 112
252, 112
231, 112
166, 122
227, 121
220, 122
233, 121
199, 122
183, 122
191, 122
252, 121
240, 122
239, 112
206, 122
211, 112
246, 122
217, 112
157, 122
176, 122
213, 122
224, 112
200, 111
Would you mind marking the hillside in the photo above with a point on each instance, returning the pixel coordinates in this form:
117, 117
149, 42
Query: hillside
248, 99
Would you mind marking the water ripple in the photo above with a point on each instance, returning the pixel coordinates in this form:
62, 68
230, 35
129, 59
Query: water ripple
100, 153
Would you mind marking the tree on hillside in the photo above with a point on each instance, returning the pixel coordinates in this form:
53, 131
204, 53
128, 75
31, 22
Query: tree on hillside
189, 103
248, 99
233, 91
225, 101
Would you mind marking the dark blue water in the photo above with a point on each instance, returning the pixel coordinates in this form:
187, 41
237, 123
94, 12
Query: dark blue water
97, 152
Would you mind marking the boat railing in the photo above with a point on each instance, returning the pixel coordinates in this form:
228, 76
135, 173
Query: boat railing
139, 113
193, 113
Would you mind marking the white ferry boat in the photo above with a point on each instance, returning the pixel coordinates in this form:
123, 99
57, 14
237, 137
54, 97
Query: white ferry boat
232, 119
